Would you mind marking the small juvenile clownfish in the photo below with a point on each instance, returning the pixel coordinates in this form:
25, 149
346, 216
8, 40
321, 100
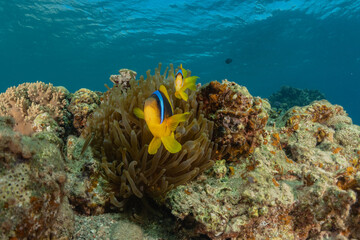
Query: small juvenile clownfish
158, 114
182, 83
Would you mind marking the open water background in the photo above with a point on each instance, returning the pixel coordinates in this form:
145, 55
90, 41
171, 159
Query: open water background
312, 44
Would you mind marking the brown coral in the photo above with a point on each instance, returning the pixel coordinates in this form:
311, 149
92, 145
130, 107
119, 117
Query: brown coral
28, 100
121, 141
239, 118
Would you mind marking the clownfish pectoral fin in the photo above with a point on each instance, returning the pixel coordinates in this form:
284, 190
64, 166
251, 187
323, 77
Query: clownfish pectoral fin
174, 120
190, 83
171, 144
164, 91
154, 145
184, 72
139, 113
181, 95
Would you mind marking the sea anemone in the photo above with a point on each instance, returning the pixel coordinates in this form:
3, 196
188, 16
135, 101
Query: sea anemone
120, 141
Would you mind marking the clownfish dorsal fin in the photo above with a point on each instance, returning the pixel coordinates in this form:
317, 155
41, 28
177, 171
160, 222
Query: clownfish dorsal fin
184, 72
164, 91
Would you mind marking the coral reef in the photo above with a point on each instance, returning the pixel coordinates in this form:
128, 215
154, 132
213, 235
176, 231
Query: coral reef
288, 97
26, 101
31, 185
120, 141
239, 117
294, 176
302, 182
82, 105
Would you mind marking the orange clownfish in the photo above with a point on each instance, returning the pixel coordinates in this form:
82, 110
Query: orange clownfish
182, 83
158, 114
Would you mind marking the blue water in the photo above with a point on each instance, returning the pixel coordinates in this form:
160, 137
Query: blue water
311, 44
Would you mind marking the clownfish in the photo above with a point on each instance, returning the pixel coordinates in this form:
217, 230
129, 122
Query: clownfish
182, 83
159, 117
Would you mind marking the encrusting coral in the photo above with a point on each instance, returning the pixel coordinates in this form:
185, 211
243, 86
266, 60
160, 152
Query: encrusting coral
26, 101
120, 140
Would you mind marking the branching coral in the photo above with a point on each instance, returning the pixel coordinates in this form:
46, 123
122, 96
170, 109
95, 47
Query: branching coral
239, 117
28, 100
121, 141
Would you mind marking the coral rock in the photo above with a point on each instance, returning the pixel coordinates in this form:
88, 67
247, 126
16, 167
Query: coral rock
301, 182
30, 193
239, 118
123, 78
82, 105
85, 185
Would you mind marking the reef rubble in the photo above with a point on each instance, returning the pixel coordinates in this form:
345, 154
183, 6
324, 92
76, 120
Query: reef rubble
289, 176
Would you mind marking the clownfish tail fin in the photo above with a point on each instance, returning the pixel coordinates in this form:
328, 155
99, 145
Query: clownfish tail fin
171, 144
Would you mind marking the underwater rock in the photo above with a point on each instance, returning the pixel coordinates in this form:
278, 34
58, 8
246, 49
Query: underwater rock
31, 184
302, 182
116, 226
26, 101
239, 117
107, 226
84, 186
64, 224
45, 123
82, 105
